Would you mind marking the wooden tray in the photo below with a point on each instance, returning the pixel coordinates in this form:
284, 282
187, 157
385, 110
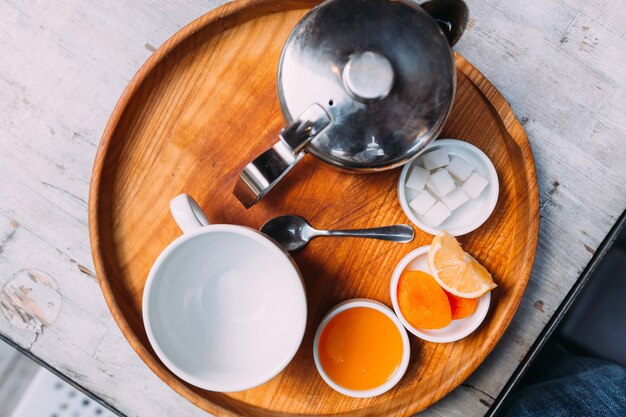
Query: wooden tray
202, 107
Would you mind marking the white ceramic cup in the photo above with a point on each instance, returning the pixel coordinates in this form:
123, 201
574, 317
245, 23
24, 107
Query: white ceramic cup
224, 306
406, 348
417, 260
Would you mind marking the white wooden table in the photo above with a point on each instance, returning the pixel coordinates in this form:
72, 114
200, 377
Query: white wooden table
63, 65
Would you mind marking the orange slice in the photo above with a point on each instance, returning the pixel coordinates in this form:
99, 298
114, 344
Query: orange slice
457, 271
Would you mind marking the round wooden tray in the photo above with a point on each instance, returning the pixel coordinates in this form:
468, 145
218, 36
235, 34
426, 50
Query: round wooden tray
202, 107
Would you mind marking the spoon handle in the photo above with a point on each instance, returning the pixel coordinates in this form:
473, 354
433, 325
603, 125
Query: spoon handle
402, 233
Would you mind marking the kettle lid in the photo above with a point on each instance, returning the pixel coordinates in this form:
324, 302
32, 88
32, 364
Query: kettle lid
382, 69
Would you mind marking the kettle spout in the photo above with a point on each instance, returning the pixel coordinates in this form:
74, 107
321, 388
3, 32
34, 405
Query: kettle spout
450, 15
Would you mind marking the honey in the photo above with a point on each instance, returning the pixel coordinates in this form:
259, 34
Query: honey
360, 348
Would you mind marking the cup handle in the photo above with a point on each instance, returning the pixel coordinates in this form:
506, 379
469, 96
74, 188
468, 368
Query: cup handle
187, 213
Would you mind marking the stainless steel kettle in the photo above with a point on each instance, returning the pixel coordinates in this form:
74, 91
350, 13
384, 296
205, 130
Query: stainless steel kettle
364, 85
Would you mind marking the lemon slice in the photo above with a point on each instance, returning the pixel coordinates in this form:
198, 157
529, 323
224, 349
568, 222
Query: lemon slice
456, 270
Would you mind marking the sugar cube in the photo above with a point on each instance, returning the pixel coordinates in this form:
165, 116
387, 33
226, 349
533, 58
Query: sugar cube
437, 214
474, 185
417, 178
459, 168
435, 159
440, 182
423, 202
455, 199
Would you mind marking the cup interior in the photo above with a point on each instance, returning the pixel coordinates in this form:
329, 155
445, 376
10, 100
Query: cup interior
224, 308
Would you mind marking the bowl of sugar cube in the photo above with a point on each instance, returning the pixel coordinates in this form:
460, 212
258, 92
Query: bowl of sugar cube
451, 186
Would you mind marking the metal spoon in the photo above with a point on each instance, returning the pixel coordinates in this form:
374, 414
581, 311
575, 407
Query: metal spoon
293, 232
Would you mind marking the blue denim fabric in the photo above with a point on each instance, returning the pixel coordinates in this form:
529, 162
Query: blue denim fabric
575, 387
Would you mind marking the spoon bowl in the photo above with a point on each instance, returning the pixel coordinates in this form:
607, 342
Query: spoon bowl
290, 232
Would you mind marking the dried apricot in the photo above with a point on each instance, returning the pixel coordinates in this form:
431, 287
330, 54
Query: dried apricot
422, 301
461, 307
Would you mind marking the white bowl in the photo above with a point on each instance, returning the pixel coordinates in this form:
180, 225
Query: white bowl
470, 215
417, 260
406, 349
224, 307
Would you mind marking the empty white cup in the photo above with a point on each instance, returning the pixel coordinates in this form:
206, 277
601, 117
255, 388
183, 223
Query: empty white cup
224, 307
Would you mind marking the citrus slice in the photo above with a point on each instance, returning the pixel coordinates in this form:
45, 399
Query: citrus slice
456, 270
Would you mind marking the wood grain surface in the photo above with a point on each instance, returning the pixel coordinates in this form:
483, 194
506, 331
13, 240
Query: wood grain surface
203, 106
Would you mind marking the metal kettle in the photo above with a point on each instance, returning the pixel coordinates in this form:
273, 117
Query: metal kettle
364, 85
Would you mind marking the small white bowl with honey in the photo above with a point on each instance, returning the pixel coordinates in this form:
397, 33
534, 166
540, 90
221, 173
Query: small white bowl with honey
361, 349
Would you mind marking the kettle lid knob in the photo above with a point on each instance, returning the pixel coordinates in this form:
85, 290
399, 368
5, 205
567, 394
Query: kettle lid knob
368, 76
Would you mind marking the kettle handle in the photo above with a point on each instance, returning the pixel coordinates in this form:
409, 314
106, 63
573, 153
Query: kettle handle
450, 15
266, 170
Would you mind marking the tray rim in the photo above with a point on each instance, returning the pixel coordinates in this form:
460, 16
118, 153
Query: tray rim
483, 86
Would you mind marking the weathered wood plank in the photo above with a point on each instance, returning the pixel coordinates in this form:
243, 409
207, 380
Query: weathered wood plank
559, 63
